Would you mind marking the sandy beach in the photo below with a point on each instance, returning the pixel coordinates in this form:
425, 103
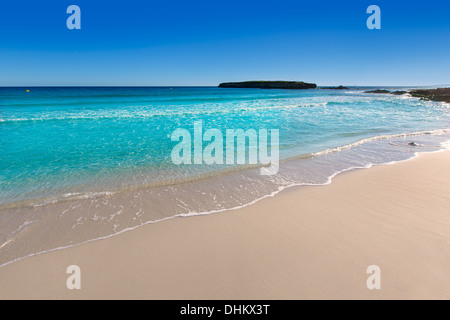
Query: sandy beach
304, 243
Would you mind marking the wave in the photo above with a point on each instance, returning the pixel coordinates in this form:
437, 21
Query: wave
139, 114
165, 100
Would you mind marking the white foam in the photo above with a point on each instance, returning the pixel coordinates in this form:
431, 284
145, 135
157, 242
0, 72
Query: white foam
446, 144
382, 137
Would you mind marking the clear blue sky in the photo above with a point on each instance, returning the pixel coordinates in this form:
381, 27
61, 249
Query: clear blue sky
146, 42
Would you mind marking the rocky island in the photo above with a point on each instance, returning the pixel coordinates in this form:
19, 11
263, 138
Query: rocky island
294, 85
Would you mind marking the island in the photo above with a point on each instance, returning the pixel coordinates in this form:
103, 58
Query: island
295, 85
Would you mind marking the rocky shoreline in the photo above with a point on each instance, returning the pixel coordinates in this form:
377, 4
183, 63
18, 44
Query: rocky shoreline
440, 94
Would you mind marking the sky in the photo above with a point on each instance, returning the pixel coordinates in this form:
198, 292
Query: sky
204, 43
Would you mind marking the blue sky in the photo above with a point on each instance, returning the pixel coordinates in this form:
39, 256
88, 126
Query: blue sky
138, 42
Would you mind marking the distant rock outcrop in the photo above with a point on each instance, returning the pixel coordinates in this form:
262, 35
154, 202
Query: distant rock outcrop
269, 85
399, 93
378, 91
441, 94
335, 88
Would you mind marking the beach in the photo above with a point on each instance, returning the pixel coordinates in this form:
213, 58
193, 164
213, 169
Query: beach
196, 151
310, 242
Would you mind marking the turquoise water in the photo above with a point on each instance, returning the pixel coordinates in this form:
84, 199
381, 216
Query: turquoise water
79, 164
62, 141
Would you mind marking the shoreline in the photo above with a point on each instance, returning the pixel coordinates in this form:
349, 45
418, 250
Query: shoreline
224, 256
60, 218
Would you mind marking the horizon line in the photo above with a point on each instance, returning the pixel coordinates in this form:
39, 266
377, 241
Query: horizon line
195, 86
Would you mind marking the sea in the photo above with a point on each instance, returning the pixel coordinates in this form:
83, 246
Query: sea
80, 164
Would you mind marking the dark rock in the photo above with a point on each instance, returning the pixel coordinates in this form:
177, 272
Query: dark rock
335, 88
269, 85
399, 93
441, 94
378, 91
